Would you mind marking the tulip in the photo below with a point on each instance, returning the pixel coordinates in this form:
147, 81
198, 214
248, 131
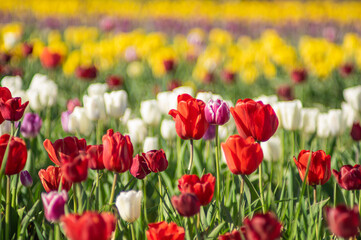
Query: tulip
130, 54
323, 129
272, 149
243, 156
320, 167
27, 49
42, 92
166, 101
342, 221
129, 205
203, 188
299, 75
336, 122
26, 179
75, 167
72, 103
346, 69
86, 73
137, 130
350, 114
114, 82
107, 24
173, 84
290, 112
150, 112
78, 122
135, 69
189, 117
285, 92
349, 177
54, 203
169, 65
117, 151
150, 143
353, 97
164, 230
228, 76
31, 125
17, 154
254, 119
66, 146
115, 103
51, 177
13, 83
205, 96
90, 225
95, 153
97, 89
217, 112
65, 121
262, 227
156, 160
139, 168
356, 132
210, 133
186, 204
309, 120
167, 129
95, 107
234, 235
50, 59
11, 108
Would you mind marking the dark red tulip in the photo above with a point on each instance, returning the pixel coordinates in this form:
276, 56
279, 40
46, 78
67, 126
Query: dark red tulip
95, 153
139, 168
27, 49
5, 58
342, 221
346, 69
5, 95
203, 188
75, 167
51, 177
168, 64
117, 151
186, 204
165, 231
86, 73
254, 119
50, 59
12, 109
262, 227
114, 82
234, 235
349, 177
299, 75
156, 160
320, 167
228, 76
17, 154
356, 132
190, 120
173, 84
285, 92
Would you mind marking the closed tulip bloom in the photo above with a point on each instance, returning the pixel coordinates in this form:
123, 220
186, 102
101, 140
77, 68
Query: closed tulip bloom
54, 203
88, 226
117, 152
50, 179
17, 154
320, 167
346, 69
190, 121
50, 59
11, 108
150, 112
299, 75
349, 177
75, 167
95, 107
27, 49
26, 179
156, 160
115, 103
234, 235
356, 132
31, 124
336, 122
97, 89
129, 205
285, 92
243, 156
114, 82
137, 130
342, 221
353, 97
254, 119
217, 112
272, 149
203, 188
13, 83
165, 231
95, 153
323, 129
66, 146
166, 101
167, 129
86, 73
309, 120
139, 168
186, 204
205, 96
72, 103
150, 143
79, 122
262, 227
290, 112
350, 115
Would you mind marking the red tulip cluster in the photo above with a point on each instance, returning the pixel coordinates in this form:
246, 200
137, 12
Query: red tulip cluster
151, 161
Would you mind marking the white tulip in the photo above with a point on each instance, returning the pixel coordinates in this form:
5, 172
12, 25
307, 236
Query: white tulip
79, 122
204, 96
290, 113
135, 69
42, 92
137, 130
13, 83
336, 122
5, 128
129, 205
115, 103
126, 116
323, 130
10, 40
166, 101
167, 129
353, 97
271, 100
350, 114
150, 143
272, 149
309, 120
97, 89
94, 106
182, 90
150, 112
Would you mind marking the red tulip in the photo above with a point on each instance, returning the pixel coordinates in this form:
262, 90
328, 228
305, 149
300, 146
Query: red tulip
168, 64
165, 231
88, 226
11, 108
95, 153
17, 154
117, 151
285, 92
27, 49
234, 235
156, 160
75, 167
51, 177
299, 75
50, 59
5, 95
114, 82
190, 120
186, 204
320, 168
346, 69
356, 132
139, 168
343, 222
262, 227
228, 76
203, 188
173, 84
349, 177
86, 73
254, 119
243, 156
67, 146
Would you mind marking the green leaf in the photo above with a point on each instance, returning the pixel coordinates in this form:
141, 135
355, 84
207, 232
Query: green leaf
216, 231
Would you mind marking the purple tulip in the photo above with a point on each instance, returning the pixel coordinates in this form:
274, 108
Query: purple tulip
217, 112
30, 126
65, 120
54, 203
210, 133
25, 179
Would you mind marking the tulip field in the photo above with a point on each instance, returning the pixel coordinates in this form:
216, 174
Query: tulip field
172, 120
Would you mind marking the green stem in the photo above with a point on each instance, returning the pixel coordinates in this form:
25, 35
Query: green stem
97, 192
13, 199
7, 211
113, 189
99, 131
161, 199
241, 191
218, 177
56, 231
189, 232
261, 188
132, 230
145, 201
75, 200
5, 157
314, 195
191, 156
80, 202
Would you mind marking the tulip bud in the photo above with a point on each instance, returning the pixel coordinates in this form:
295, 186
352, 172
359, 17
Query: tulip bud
137, 130
86, 73
94, 106
115, 103
342, 221
168, 64
336, 122
42, 92
31, 125
97, 89
285, 93
217, 112
26, 179
150, 112
349, 177
299, 75
78, 121
290, 112
150, 143
187, 204
271, 149
27, 49
350, 114
167, 129
356, 132
346, 69
54, 203
323, 130
353, 97
129, 204
114, 82
139, 168
50, 59
262, 227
